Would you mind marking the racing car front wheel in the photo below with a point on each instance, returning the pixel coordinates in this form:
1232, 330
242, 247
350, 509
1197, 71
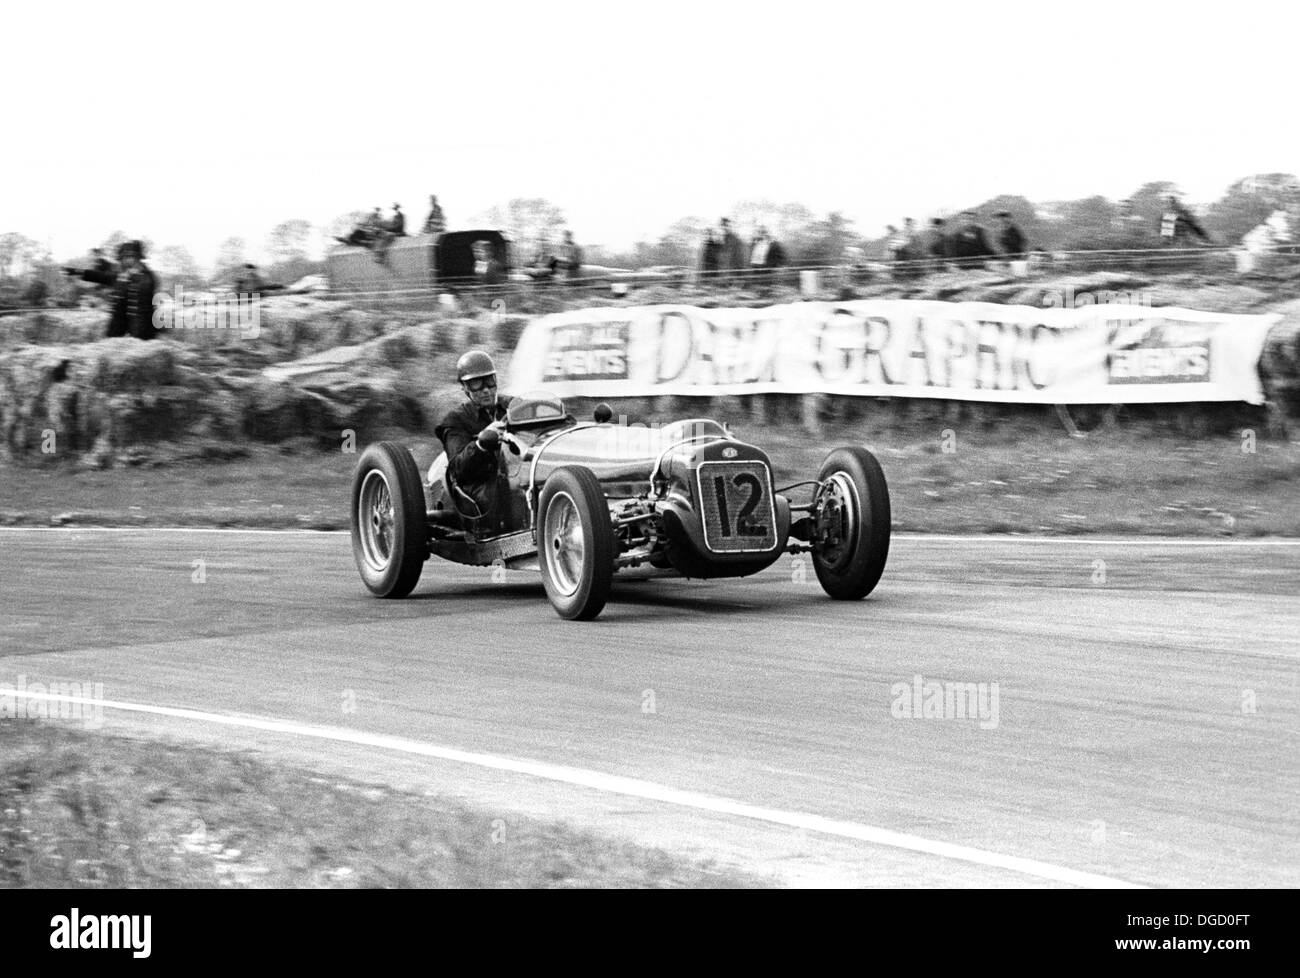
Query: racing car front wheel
851, 524
389, 530
575, 539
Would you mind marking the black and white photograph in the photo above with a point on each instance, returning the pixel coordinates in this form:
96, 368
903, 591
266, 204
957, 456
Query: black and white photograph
676, 446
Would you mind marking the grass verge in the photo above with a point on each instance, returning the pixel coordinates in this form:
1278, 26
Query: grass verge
85, 810
945, 476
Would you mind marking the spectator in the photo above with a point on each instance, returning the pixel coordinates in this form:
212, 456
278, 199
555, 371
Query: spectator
570, 256
710, 256
134, 285
938, 246
758, 249
544, 263
765, 256
733, 252
911, 239
1177, 225
893, 242
968, 245
487, 267
247, 280
396, 225
1010, 238
435, 223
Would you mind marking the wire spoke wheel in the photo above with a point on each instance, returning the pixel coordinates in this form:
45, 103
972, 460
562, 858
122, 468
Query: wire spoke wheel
565, 545
575, 542
389, 526
375, 520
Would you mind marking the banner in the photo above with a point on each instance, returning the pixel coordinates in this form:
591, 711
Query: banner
971, 351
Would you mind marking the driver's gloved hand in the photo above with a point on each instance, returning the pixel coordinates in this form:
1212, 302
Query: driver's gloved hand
489, 439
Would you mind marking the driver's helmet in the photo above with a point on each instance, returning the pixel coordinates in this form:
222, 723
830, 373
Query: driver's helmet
478, 376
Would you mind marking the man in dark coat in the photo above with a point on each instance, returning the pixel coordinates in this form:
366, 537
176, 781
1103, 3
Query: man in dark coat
733, 258
132, 285
937, 244
1010, 238
435, 223
396, 225
570, 256
471, 436
710, 257
968, 246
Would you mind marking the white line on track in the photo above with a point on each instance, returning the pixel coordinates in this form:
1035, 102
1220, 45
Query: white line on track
614, 784
989, 538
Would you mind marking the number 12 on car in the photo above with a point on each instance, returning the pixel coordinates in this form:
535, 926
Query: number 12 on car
736, 501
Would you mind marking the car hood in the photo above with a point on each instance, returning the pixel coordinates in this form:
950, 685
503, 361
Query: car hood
617, 452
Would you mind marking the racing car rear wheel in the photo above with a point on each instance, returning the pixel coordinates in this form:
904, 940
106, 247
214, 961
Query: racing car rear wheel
575, 539
851, 524
389, 531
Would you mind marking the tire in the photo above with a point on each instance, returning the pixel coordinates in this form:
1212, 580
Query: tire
389, 525
855, 509
577, 567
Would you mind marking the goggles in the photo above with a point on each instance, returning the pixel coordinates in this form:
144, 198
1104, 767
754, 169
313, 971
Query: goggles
476, 384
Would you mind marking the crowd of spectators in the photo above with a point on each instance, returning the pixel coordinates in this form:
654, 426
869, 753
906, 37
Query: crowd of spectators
725, 258
965, 243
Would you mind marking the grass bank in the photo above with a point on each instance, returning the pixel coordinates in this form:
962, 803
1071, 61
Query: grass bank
947, 475
87, 811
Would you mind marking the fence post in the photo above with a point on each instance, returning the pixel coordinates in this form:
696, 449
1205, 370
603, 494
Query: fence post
812, 406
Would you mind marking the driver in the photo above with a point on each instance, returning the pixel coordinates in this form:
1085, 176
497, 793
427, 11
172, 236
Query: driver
471, 435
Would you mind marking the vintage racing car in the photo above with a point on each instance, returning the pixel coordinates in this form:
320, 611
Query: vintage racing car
582, 501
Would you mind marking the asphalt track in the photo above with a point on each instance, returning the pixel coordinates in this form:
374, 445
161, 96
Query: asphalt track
1148, 706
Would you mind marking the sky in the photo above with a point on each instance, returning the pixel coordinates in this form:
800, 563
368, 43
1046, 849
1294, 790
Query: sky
190, 125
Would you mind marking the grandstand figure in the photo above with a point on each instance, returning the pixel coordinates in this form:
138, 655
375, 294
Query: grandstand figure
710, 256
396, 225
968, 245
733, 256
570, 256
937, 244
248, 280
435, 223
1010, 238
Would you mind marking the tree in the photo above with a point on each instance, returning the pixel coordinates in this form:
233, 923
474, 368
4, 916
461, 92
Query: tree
341, 227
1091, 224
1038, 232
526, 220
1249, 202
787, 223
18, 254
824, 242
232, 254
1148, 203
288, 240
176, 265
678, 245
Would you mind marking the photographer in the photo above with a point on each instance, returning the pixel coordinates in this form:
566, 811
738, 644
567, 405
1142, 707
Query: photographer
132, 285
